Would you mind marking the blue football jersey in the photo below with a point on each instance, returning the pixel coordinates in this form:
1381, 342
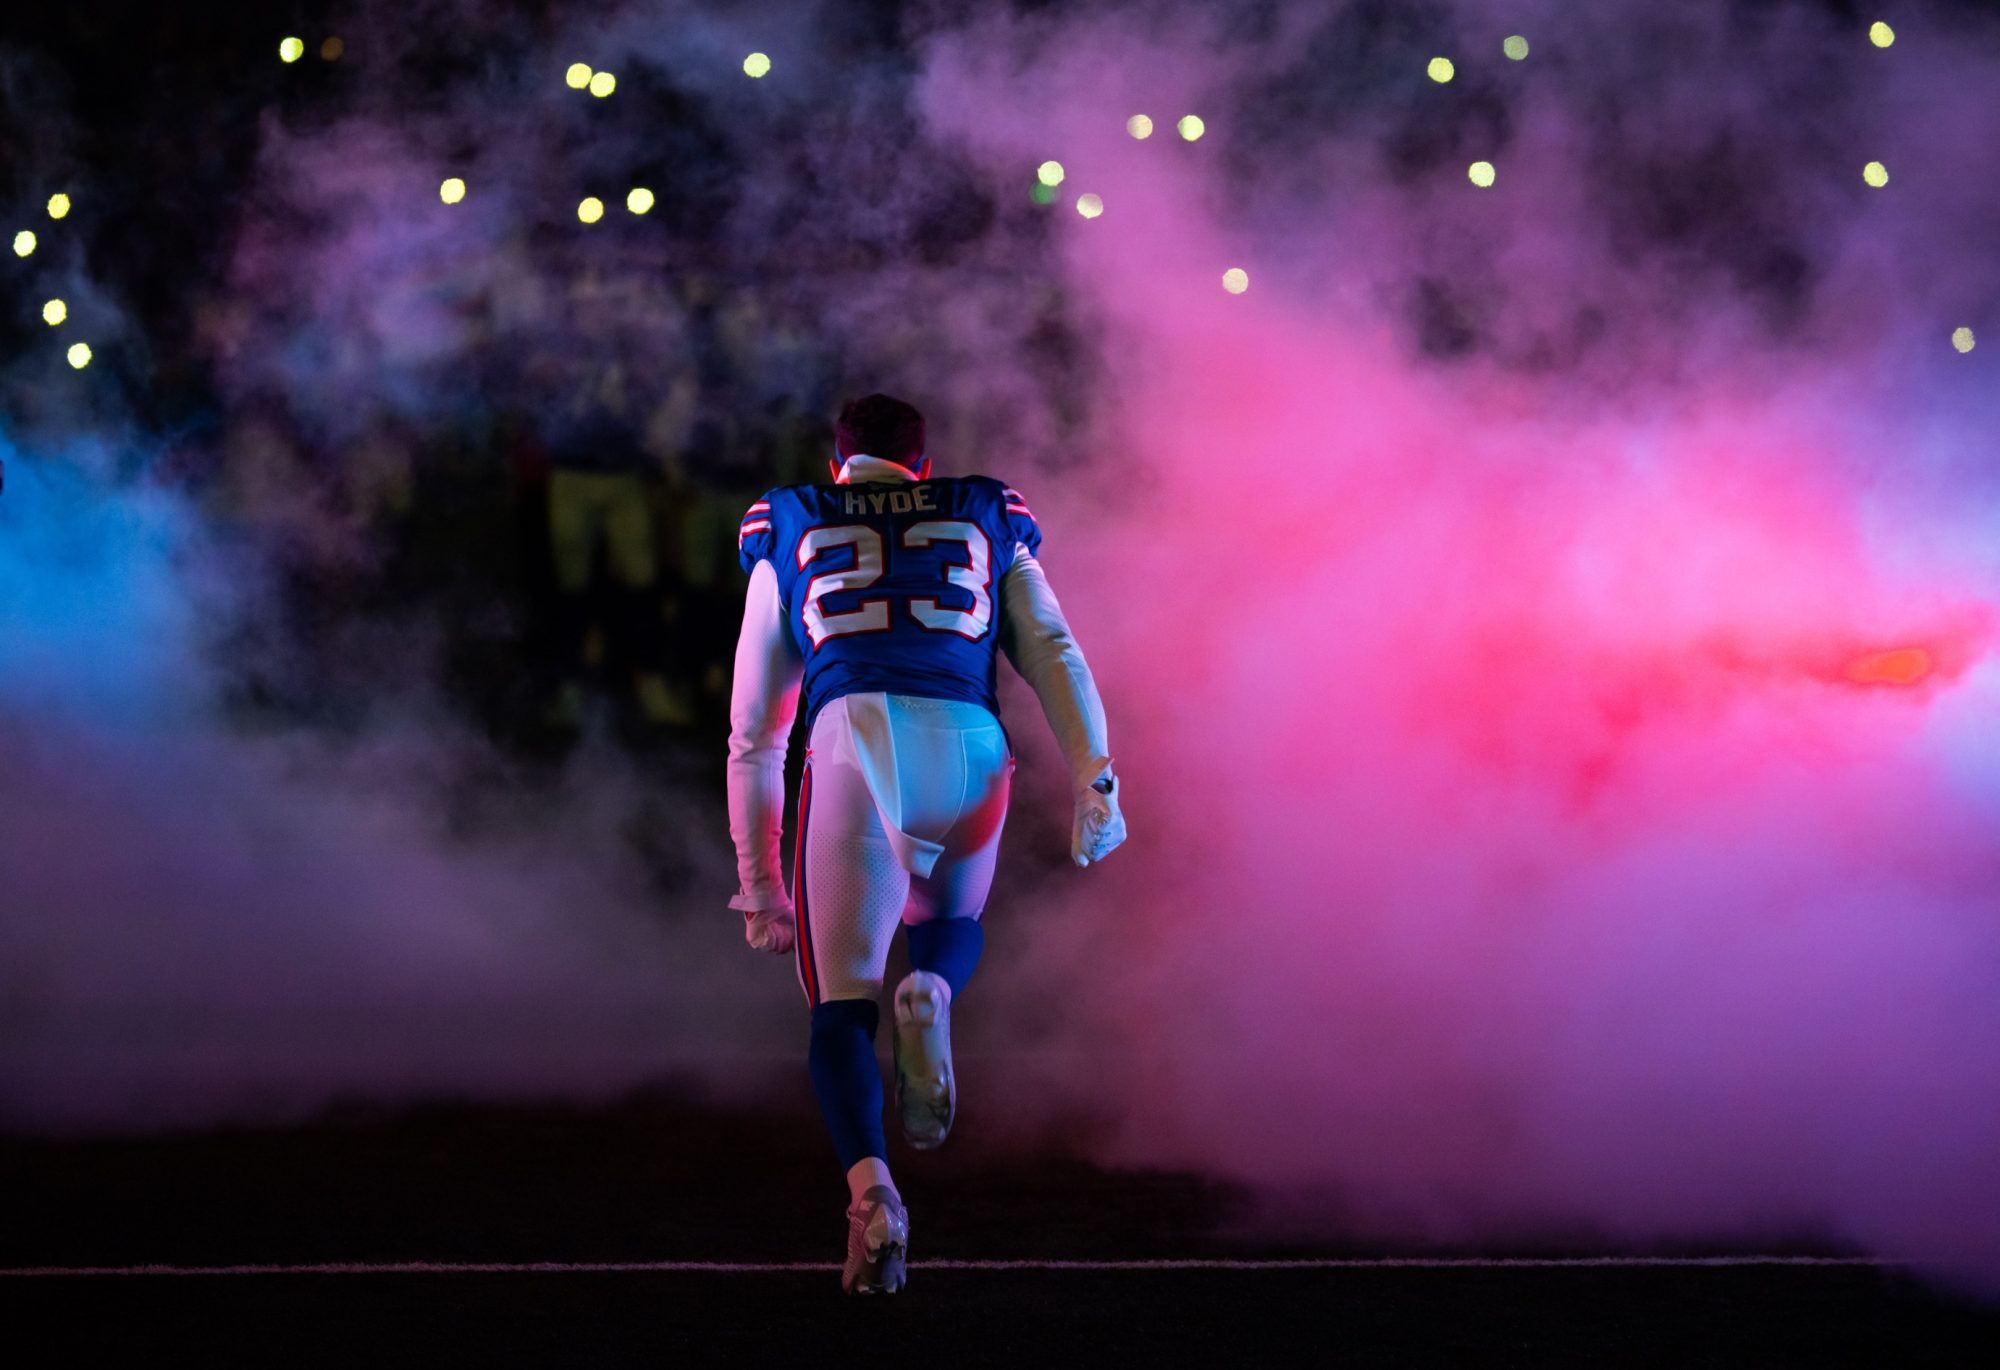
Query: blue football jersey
892, 585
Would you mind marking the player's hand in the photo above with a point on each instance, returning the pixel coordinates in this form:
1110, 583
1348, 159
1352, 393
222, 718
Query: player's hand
771, 930
1099, 827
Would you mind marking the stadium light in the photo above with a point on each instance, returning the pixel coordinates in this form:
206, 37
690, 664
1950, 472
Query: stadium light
452, 191
1139, 126
79, 355
1962, 339
24, 243
757, 66
1050, 173
1191, 127
54, 312
1480, 174
578, 76
1089, 206
639, 200
1875, 174
602, 84
1880, 34
591, 210
58, 205
291, 50
1441, 70
1042, 194
1236, 280
1516, 48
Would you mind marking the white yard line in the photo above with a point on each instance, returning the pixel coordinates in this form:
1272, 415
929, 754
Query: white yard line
795, 1267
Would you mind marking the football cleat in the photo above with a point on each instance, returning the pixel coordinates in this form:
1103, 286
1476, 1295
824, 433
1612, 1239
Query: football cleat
926, 1090
878, 1240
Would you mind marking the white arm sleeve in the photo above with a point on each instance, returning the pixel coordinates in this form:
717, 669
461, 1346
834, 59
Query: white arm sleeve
1037, 641
762, 705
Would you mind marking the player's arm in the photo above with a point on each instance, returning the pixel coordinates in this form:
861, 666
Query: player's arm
1037, 640
762, 704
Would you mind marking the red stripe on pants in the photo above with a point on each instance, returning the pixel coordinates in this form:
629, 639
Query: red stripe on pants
808, 974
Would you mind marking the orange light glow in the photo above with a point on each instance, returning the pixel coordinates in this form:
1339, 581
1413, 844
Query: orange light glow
1903, 666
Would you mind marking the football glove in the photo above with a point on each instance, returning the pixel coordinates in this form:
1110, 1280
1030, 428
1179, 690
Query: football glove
772, 930
1099, 827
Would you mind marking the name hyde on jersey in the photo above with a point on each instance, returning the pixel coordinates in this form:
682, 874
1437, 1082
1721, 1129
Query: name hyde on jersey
899, 500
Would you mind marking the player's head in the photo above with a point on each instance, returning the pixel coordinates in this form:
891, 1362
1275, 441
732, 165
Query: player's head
881, 426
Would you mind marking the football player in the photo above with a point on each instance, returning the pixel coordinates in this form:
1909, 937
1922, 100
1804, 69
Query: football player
884, 599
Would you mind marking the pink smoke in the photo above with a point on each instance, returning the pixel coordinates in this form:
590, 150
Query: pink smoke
1526, 837
1516, 853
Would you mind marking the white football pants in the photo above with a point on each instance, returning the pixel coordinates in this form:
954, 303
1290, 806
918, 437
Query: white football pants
900, 813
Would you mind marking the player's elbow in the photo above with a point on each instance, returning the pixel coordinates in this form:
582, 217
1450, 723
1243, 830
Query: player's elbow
1039, 637
753, 738
1056, 652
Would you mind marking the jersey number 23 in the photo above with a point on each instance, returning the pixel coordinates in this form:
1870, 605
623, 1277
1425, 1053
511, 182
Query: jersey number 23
973, 574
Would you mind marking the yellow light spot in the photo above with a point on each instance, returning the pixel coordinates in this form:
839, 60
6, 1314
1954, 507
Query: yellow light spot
291, 50
602, 84
1875, 174
1441, 69
1962, 339
1050, 173
756, 66
1089, 206
1880, 34
1139, 126
1516, 48
24, 243
452, 191
578, 76
54, 312
79, 355
331, 50
1236, 280
1481, 174
58, 205
639, 200
1191, 127
591, 210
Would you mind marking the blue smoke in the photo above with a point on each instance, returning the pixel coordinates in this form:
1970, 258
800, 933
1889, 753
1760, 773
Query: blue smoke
99, 621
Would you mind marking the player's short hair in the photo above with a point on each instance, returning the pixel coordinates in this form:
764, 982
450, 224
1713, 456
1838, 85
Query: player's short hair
882, 426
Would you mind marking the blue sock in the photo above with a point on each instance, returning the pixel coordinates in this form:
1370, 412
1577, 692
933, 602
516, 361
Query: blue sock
948, 948
846, 1077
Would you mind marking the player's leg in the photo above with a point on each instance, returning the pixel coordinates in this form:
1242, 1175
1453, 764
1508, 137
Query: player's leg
970, 771
848, 891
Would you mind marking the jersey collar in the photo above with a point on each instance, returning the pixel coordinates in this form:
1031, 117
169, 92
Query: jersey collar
861, 468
